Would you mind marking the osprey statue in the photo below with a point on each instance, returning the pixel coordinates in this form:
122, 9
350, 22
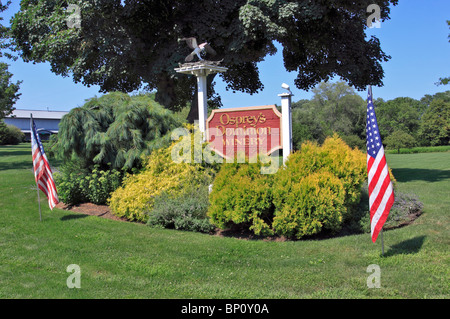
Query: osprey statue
198, 49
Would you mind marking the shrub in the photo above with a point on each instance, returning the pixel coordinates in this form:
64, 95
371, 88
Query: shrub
319, 188
70, 184
241, 195
334, 156
314, 203
185, 211
77, 185
101, 184
136, 198
10, 135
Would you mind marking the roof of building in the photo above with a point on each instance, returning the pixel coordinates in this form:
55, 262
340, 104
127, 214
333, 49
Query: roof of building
48, 115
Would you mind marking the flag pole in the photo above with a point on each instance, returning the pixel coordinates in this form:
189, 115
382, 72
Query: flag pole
382, 242
39, 201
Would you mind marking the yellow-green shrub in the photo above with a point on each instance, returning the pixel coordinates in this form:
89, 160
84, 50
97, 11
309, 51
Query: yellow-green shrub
334, 156
160, 174
318, 188
242, 196
314, 203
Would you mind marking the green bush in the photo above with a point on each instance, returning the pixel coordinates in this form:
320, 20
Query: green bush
185, 211
101, 184
10, 135
314, 203
76, 185
335, 157
242, 196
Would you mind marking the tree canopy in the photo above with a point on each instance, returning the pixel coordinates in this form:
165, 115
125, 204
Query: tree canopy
335, 107
403, 121
124, 45
8, 90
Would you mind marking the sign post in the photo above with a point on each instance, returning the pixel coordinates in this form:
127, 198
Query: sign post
286, 101
201, 70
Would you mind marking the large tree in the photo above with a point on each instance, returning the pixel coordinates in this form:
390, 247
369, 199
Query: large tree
334, 108
402, 113
435, 125
123, 45
8, 90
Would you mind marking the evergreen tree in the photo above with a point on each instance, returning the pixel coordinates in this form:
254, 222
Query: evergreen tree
114, 131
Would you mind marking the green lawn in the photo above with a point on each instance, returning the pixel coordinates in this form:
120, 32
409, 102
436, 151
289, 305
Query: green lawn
128, 260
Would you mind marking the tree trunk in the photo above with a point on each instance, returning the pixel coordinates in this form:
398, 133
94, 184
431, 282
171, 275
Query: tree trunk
193, 113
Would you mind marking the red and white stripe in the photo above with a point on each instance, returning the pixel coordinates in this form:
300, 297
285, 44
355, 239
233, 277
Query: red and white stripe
381, 192
43, 173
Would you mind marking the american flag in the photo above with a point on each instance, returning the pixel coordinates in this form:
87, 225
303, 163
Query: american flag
41, 168
381, 192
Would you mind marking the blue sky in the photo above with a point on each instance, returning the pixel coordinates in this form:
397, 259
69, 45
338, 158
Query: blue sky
416, 37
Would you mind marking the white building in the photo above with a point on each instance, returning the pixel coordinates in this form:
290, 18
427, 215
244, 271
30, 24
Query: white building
47, 122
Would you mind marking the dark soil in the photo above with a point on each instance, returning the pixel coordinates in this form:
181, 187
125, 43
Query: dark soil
91, 209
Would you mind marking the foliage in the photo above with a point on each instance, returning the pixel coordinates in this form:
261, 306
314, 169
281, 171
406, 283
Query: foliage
335, 107
242, 196
10, 135
402, 113
160, 173
435, 125
314, 203
76, 185
119, 45
319, 188
8, 91
115, 129
185, 211
399, 139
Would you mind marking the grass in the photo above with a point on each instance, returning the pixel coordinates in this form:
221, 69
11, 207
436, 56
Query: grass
414, 150
128, 260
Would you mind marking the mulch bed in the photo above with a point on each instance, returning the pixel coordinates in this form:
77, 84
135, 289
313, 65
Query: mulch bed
104, 211
92, 210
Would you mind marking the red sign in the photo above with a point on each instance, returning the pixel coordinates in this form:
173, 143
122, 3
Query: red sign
249, 130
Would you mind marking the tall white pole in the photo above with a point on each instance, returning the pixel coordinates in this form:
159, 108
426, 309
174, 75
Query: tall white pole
286, 101
202, 103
